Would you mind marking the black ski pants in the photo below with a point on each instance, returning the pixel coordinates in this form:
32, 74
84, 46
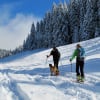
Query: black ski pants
56, 62
80, 68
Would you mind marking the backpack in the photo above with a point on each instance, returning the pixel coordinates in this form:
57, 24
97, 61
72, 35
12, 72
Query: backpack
81, 54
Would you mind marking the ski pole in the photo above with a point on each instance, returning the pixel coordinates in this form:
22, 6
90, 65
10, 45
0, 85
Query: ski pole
71, 66
46, 60
60, 62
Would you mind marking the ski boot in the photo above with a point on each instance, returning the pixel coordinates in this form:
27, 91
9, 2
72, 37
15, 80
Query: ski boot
82, 79
78, 78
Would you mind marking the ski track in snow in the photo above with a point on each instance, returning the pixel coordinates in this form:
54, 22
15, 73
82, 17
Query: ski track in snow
11, 86
26, 76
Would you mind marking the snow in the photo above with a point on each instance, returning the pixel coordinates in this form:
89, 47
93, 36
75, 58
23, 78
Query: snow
26, 76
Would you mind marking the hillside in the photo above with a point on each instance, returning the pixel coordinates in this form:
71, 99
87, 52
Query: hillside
26, 76
4, 53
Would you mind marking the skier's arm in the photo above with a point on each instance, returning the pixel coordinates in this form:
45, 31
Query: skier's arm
74, 55
49, 54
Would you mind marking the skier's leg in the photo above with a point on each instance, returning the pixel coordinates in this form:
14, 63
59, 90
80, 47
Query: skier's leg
82, 68
77, 69
56, 64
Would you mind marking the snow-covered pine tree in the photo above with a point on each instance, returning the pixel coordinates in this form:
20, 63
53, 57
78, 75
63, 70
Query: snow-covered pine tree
37, 27
89, 24
82, 7
74, 20
26, 43
48, 29
29, 43
60, 25
97, 18
32, 37
5, 53
39, 39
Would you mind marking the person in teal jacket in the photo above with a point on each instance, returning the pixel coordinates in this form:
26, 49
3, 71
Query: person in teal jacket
79, 53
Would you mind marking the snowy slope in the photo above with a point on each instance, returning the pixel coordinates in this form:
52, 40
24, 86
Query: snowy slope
26, 76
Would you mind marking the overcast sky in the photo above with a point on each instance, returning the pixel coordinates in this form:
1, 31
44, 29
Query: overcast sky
16, 17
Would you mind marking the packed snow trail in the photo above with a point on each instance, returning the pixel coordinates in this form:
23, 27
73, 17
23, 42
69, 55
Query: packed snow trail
26, 76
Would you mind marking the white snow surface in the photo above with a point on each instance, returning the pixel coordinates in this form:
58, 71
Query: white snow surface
26, 76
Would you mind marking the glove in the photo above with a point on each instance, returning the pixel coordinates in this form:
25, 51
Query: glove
70, 59
47, 56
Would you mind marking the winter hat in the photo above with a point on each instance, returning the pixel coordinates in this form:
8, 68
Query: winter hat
78, 45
